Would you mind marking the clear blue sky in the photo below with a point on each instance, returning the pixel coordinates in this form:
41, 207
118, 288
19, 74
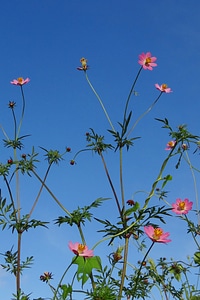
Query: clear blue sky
44, 40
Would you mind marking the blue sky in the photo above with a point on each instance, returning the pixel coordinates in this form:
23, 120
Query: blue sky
44, 40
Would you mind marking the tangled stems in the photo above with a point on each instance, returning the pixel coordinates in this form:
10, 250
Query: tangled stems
50, 192
39, 193
100, 101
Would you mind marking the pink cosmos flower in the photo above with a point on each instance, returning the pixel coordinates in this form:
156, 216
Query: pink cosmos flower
84, 65
163, 88
156, 234
80, 249
170, 145
20, 81
147, 61
182, 206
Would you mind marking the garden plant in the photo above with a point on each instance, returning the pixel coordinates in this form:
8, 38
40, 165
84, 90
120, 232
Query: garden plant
137, 226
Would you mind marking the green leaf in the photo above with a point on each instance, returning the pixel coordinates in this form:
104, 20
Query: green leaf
197, 257
85, 267
132, 209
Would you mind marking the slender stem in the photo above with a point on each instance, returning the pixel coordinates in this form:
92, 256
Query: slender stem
59, 284
100, 101
193, 235
11, 196
15, 124
130, 93
18, 283
195, 186
52, 195
146, 112
159, 177
124, 267
23, 109
81, 234
141, 265
121, 178
111, 184
39, 193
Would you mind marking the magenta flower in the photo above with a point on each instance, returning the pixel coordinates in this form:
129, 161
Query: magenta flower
156, 234
170, 145
20, 81
84, 65
182, 207
80, 249
147, 61
163, 88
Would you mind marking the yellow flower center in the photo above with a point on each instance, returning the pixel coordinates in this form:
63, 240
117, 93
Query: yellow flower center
148, 60
81, 248
181, 205
171, 144
157, 233
164, 86
83, 62
20, 79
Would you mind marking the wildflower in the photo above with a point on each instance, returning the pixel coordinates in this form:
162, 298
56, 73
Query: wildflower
72, 162
80, 249
117, 255
10, 161
182, 207
20, 81
170, 145
68, 149
156, 234
163, 88
84, 65
11, 104
130, 202
46, 277
147, 61
184, 147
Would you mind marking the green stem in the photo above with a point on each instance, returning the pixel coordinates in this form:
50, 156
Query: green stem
39, 193
11, 197
15, 124
130, 93
81, 234
141, 265
146, 112
195, 186
23, 109
100, 101
18, 273
59, 284
159, 177
124, 268
121, 178
52, 195
111, 184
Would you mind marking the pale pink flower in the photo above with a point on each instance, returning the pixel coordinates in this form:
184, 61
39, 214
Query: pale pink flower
163, 88
170, 145
84, 65
156, 234
80, 249
182, 206
20, 81
147, 61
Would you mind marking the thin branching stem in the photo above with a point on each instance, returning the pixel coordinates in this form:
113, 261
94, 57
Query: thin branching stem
100, 101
